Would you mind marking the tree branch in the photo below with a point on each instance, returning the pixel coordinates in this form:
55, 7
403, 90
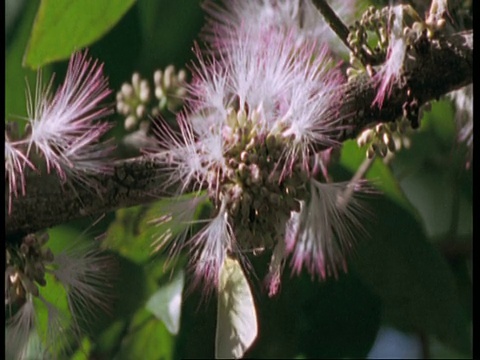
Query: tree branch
434, 68
49, 202
439, 66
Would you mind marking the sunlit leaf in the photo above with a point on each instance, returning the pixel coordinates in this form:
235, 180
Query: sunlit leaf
236, 316
166, 303
62, 27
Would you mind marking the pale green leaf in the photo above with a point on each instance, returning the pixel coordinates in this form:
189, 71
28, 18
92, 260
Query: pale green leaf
166, 303
236, 316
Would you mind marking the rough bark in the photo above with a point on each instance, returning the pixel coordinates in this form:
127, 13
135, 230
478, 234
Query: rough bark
437, 67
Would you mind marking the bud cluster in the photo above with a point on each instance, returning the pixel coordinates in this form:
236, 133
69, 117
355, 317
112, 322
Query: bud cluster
25, 267
372, 22
170, 88
385, 137
363, 55
369, 37
132, 100
259, 191
135, 100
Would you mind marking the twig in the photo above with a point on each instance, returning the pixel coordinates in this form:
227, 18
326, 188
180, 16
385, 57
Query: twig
48, 202
333, 20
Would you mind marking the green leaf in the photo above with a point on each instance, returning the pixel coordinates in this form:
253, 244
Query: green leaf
166, 303
440, 120
414, 282
432, 175
63, 236
52, 315
106, 342
236, 316
147, 338
15, 75
125, 237
135, 230
63, 27
84, 351
437, 350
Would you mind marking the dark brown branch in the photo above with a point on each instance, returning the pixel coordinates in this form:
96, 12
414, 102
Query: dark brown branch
434, 68
438, 67
48, 202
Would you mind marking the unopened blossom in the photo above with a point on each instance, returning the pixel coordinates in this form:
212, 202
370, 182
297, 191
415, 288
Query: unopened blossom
258, 114
65, 128
31, 269
298, 16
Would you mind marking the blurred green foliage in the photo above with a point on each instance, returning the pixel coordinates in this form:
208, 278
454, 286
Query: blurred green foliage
401, 275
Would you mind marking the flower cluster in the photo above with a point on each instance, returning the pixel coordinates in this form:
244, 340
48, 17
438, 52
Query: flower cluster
262, 103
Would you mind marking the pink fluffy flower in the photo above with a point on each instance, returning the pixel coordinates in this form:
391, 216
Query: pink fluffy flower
65, 127
320, 234
15, 162
258, 110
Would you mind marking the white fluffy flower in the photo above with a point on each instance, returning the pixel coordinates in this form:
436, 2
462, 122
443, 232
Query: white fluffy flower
297, 16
